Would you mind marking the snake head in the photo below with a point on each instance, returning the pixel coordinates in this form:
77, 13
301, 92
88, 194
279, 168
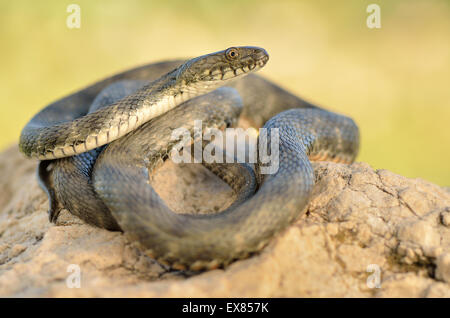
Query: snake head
229, 64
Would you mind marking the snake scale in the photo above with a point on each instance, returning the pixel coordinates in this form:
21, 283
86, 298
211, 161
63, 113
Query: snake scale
98, 146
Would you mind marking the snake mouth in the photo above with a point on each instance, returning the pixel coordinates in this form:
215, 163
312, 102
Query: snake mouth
233, 72
224, 65
248, 64
253, 61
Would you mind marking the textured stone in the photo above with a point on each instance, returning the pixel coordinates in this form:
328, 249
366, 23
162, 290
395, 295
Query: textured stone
443, 267
361, 225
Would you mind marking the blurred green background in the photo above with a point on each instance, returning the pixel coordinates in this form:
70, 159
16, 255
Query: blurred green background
393, 81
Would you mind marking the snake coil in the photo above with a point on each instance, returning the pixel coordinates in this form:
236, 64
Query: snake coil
98, 145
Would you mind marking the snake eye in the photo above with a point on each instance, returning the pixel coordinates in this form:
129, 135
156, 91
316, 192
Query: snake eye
231, 53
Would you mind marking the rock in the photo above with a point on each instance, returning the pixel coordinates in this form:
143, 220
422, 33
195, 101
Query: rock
443, 268
366, 234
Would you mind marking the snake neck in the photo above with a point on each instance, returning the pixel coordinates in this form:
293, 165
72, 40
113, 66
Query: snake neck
118, 119
46, 137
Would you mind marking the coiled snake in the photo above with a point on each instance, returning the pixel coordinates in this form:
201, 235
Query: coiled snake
134, 113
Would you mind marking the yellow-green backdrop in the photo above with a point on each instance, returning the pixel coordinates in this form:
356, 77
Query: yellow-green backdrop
394, 81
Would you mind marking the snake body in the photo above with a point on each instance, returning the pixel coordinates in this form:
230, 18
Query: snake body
133, 114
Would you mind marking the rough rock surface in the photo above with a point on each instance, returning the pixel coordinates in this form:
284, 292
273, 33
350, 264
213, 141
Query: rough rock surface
360, 223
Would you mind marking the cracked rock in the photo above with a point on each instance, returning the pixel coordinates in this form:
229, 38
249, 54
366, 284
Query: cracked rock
362, 226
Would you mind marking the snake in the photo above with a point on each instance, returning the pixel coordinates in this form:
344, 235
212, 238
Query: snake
98, 146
